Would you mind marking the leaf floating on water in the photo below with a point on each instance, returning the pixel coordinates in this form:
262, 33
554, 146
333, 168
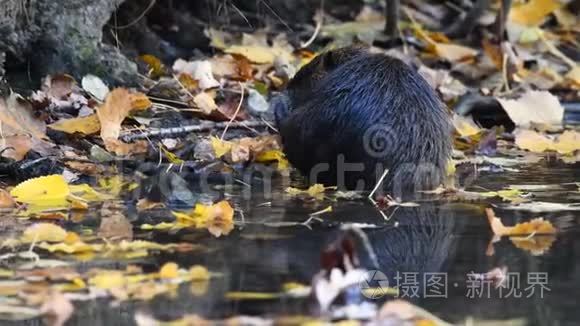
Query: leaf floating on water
49, 190
543, 207
169, 271
315, 191
218, 219
43, 232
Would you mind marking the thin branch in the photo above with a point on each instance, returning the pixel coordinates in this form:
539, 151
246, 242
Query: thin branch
205, 126
236, 112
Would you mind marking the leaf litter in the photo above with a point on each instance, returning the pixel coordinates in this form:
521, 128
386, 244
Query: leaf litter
107, 126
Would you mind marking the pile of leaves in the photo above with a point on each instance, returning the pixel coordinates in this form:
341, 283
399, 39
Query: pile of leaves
215, 109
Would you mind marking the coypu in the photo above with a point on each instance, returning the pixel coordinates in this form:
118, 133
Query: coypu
349, 114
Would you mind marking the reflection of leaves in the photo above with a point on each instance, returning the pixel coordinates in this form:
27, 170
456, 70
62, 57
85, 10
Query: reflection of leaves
537, 226
114, 225
537, 245
57, 309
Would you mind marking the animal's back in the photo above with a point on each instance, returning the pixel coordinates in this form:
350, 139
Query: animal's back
369, 113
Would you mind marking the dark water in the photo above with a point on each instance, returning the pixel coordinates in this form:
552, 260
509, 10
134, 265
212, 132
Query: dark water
447, 237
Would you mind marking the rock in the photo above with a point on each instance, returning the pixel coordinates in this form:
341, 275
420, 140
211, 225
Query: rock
46, 37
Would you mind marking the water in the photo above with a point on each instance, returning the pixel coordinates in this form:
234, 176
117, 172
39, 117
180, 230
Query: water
449, 238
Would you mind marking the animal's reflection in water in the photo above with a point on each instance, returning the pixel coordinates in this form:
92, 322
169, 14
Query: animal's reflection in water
415, 243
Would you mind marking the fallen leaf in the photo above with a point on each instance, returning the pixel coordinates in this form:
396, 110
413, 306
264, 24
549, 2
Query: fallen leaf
454, 52
114, 225
156, 67
533, 12
17, 118
58, 87
199, 273
205, 102
121, 149
200, 70
43, 232
43, 191
220, 147
112, 113
539, 107
543, 207
169, 271
465, 126
95, 86
566, 143
86, 125
6, 200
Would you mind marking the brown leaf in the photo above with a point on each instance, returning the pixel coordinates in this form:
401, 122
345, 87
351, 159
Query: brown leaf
114, 225
59, 86
17, 118
111, 114
120, 148
6, 201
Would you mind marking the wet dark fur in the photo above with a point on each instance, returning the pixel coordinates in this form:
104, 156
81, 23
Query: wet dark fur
337, 104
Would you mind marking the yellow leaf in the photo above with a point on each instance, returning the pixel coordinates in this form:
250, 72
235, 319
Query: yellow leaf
316, 190
205, 102
43, 232
156, 67
107, 280
259, 54
274, 155
217, 218
532, 141
199, 273
533, 12
87, 193
220, 147
465, 126
169, 270
86, 125
252, 295
574, 75
140, 101
71, 248
170, 156
49, 190
161, 226
568, 142
454, 52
